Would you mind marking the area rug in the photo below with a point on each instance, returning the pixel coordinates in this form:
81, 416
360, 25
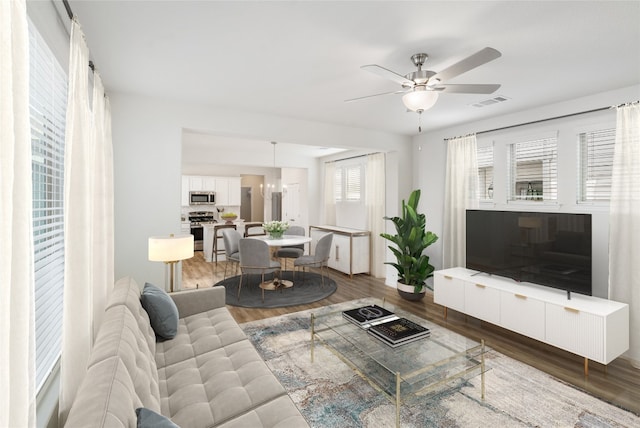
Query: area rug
330, 394
306, 289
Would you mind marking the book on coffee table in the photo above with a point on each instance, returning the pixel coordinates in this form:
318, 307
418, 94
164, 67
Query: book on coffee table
367, 316
398, 332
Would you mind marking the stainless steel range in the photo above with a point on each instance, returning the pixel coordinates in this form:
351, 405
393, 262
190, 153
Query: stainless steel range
197, 220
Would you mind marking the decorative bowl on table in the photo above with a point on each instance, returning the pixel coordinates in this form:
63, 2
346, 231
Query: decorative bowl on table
275, 229
229, 217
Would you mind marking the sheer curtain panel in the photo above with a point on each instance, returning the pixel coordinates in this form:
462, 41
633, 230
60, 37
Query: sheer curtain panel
461, 193
624, 222
375, 203
329, 193
88, 218
17, 331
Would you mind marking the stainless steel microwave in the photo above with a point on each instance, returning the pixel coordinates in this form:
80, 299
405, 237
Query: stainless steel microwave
202, 198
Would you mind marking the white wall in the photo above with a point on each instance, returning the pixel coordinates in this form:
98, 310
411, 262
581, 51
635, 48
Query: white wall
430, 162
147, 135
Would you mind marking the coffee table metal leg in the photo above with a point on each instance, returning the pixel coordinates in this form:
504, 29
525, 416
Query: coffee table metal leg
397, 399
482, 368
313, 319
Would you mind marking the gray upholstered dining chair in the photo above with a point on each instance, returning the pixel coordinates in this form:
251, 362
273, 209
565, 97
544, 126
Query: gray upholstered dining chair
231, 238
291, 251
319, 259
255, 258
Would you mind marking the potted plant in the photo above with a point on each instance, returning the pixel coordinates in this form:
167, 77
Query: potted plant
411, 239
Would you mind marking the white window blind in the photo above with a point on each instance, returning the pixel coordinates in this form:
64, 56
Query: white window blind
533, 170
353, 184
595, 164
485, 172
349, 182
48, 104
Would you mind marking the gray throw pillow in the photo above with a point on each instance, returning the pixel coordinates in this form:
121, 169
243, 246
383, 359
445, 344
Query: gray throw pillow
150, 419
162, 311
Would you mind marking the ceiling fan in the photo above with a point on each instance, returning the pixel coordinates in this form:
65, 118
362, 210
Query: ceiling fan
421, 87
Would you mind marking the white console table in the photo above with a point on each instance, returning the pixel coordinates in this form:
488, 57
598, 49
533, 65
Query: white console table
594, 328
350, 249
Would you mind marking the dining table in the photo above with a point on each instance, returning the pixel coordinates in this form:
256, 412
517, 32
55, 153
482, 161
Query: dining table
274, 244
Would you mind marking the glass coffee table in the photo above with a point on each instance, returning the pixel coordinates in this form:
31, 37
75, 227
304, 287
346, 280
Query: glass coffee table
411, 371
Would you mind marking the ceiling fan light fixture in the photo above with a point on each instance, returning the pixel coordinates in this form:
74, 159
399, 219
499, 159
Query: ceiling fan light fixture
420, 100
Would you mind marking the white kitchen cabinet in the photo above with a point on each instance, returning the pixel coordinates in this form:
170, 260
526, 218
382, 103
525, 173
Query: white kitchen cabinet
201, 183
594, 328
185, 191
350, 248
227, 191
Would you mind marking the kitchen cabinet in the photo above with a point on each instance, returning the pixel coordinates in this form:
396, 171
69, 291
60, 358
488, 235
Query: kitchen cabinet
594, 328
185, 190
350, 248
227, 191
227, 188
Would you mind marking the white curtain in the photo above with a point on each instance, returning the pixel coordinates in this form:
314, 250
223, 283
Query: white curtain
88, 218
461, 193
624, 222
17, 325
329, 193
375, 203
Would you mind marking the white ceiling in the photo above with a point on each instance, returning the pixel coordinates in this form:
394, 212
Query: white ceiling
302, 59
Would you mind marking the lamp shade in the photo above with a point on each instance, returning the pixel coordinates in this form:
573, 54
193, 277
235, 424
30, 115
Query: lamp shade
420, 99
170, 248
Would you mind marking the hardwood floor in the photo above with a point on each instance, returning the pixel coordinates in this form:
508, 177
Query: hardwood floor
617, 383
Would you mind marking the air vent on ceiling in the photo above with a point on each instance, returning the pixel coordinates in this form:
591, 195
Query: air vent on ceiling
495, 100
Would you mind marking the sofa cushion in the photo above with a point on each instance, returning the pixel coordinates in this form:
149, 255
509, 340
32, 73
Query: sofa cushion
163, 313
150, 419
126, 292
106, 398
217, 386
119, 336
279, 413
199, 334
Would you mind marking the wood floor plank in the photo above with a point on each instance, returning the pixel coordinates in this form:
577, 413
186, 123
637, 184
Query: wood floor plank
617, 383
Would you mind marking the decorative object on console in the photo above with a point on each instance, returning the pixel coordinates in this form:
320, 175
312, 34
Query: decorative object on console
275, 228
411, 240
170, 250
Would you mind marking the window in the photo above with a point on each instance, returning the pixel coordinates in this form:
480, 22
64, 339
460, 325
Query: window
533, 170
595, 164
348, 182
485, 172
47, 104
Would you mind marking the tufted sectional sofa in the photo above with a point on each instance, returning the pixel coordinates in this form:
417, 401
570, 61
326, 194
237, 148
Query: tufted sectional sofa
209, 375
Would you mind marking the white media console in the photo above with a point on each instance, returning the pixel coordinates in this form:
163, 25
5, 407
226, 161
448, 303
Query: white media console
594, 328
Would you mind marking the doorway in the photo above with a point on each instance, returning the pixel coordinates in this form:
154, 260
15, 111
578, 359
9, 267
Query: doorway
245, 203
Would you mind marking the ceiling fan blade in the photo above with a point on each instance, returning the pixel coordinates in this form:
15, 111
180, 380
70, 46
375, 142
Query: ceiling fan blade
477, 59
376, 95
387, 74
469, 89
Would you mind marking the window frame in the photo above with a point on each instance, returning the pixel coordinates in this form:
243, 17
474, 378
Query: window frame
549, 155
583, 161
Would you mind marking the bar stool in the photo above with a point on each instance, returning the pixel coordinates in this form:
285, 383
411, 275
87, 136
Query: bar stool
217, 238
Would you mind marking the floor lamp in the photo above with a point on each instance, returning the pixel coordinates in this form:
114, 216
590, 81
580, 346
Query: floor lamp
170, 250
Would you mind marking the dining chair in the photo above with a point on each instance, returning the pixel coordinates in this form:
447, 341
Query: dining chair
255, 258
291, 251
319, 259
253, 229
231, 238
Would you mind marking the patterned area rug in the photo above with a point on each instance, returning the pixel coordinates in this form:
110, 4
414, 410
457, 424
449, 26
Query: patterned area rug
330, 394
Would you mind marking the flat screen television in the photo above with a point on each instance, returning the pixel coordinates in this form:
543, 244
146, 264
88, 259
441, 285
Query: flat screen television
551, 249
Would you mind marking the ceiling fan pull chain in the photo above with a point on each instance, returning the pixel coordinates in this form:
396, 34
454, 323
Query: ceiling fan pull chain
419, 121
